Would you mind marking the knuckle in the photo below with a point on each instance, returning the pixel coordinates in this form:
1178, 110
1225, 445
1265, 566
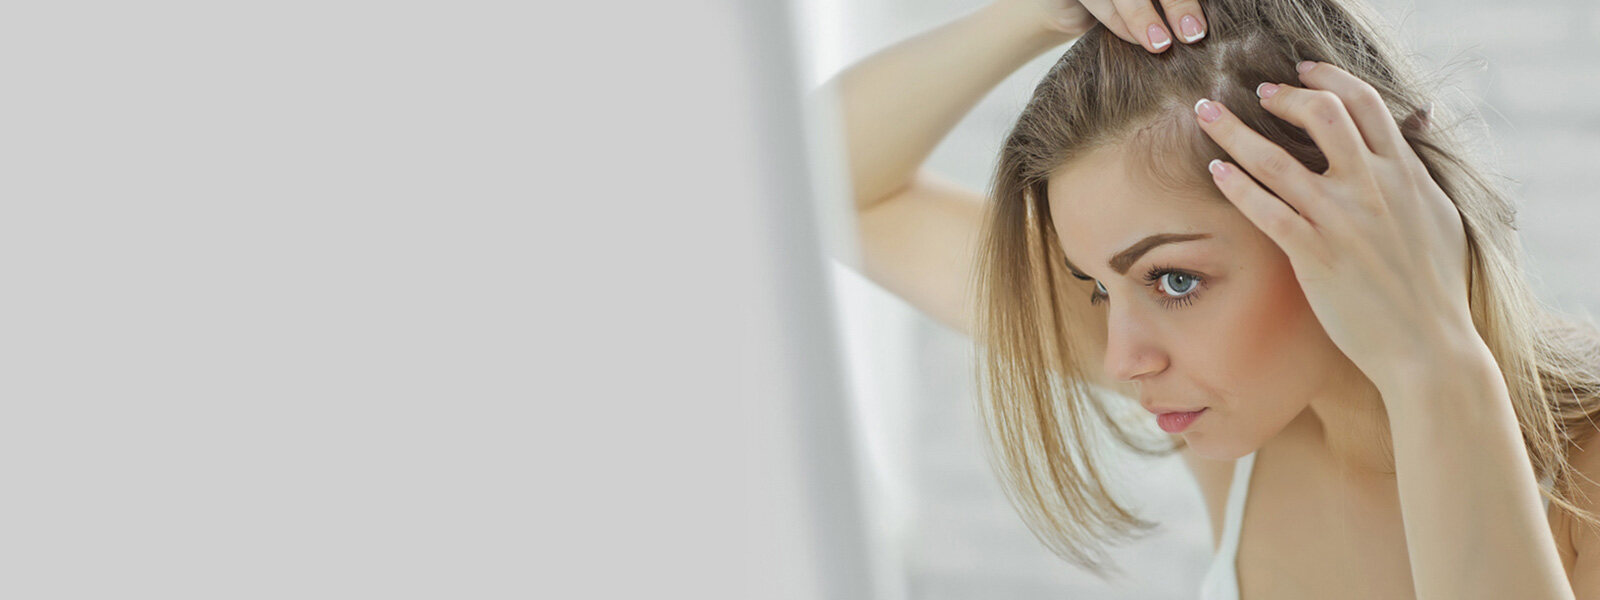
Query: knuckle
1370, 203
1280, 222
1373, 206
1324, 105
1278, 163
1366, 97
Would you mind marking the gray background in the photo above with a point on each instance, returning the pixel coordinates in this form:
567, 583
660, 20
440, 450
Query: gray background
328, 299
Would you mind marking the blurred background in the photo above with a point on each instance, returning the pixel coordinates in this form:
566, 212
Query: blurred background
945, 527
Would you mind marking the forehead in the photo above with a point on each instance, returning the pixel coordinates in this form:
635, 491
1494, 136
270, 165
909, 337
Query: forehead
1100, 206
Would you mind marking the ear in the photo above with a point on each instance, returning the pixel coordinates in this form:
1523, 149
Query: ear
1418, 120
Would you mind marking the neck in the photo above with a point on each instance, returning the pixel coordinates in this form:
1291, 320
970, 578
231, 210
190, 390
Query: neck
1350, 426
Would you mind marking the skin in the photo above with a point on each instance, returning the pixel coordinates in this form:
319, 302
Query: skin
1246, 347
1381, 252
1249, 348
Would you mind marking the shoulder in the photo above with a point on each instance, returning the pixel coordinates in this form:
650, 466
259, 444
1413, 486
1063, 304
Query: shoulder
1577, 542
1213, 477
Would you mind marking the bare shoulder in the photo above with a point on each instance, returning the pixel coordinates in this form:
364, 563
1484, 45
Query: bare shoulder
1213, 477
1576, 542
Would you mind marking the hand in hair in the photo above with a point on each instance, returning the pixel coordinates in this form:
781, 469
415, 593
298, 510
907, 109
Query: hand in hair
1135, 21
1378, 247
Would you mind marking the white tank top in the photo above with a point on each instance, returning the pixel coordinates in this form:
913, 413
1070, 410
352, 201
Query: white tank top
1221, 580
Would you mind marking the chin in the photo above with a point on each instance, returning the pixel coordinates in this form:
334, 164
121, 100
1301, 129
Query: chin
1208, 446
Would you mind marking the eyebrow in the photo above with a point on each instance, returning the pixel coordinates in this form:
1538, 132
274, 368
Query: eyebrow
1124, 260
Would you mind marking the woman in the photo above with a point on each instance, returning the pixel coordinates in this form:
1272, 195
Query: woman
1252, 224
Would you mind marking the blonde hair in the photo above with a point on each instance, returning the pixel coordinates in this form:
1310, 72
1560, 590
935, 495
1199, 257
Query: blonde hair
1043, 416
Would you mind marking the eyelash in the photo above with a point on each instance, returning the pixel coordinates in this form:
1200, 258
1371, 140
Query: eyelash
1153, 278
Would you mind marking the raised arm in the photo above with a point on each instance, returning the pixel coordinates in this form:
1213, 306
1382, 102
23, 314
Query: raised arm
897, 104
917, 229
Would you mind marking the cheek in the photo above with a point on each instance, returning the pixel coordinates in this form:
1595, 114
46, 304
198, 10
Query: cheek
1273, 318
1273, 343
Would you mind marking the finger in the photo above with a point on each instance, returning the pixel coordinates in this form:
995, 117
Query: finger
1267, 212
1185, 18
1323, 115
1144, 24
1120, 27
1259, 156
1106, 12
1364, 104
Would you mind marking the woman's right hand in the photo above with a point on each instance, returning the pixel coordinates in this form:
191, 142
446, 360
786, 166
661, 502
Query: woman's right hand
1131, 20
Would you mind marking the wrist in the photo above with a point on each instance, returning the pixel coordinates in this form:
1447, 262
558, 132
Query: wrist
1028, 23
1432, 349
1455, 375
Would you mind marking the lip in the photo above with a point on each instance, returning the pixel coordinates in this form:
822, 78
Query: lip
1176, 422
1157, 410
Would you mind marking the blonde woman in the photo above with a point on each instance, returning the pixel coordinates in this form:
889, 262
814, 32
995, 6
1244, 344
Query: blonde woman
1242, 215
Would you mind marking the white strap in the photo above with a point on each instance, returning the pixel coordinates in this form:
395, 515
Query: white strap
1238, 490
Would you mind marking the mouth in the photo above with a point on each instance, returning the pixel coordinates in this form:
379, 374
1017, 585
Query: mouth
1176, 422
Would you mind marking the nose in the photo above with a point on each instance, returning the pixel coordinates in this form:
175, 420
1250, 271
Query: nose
1133, 351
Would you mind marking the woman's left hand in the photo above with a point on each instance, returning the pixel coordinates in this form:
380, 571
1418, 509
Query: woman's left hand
1379, 249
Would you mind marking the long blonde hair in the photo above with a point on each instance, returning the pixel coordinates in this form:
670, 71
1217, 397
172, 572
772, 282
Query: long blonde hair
1044, 417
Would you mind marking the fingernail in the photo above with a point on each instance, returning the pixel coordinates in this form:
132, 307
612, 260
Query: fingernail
1305, 65
1266, 90
1207, 110
1158, 37
1191, 29
1217, 168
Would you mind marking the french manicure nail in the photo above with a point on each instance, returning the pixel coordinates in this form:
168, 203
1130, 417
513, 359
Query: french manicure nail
1207, 110
1266, 90
1191, 29
1158, 37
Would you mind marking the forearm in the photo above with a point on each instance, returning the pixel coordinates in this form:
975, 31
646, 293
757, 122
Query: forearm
897, 104
1475, 527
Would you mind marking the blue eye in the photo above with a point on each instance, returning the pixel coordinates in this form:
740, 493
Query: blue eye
1187, 282
1175, 288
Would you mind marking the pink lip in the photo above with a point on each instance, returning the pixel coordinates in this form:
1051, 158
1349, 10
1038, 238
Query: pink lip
1156, 410
1176, 422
